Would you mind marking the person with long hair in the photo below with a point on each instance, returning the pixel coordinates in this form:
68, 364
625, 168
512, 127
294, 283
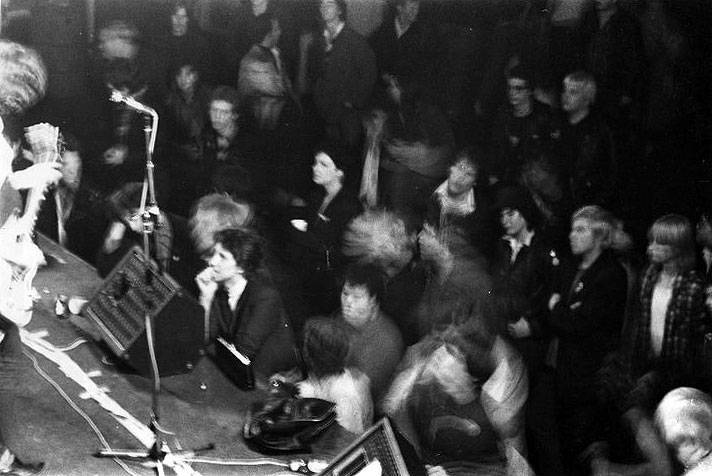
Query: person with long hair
668, 329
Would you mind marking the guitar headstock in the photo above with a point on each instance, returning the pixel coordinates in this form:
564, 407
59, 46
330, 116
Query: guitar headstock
45, 142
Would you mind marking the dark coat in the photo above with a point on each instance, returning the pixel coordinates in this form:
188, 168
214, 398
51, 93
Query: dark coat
587, 322
530, 279
346, 74
589, 161
412, 56
259, 328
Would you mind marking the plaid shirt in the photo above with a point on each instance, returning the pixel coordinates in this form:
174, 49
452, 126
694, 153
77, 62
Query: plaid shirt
686, 321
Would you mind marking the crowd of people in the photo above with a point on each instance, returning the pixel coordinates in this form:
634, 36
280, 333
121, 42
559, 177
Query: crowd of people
459, 244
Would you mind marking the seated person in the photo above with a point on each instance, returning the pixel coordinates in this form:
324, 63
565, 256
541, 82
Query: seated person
126, 230
376, 342
684, 419
461, 204
325, 349
315, 237
242, 305
459, 398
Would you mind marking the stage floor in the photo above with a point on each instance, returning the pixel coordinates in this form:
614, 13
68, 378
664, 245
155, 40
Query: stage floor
200, 407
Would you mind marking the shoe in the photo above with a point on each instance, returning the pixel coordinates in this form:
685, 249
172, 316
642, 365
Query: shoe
21, 469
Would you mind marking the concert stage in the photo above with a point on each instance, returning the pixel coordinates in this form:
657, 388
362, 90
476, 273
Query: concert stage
200, 407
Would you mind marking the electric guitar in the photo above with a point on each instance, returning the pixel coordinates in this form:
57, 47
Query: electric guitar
20, 257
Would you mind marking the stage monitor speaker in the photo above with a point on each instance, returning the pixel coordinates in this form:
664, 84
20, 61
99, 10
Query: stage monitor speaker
133, 289
377, 452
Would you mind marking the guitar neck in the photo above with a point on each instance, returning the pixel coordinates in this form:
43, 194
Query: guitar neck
36, 196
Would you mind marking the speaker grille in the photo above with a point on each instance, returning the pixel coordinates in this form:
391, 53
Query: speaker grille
131, 291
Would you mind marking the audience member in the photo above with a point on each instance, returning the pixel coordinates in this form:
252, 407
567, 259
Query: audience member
341, 73
222, 145
376, 342
185, 44
128, 223
668, 329
524, 127
417, 146
461, 204
614, 56
116, 140
315, 235
586, 320
329, 377
72, 214
406, 44
587, 151
457, 279
184, 119
459, 398
380, 237
242, 305
684, 418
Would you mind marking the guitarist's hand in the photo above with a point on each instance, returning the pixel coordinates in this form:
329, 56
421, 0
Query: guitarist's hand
36, 176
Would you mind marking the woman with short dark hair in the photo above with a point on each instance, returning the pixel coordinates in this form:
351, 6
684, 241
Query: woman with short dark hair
242, 305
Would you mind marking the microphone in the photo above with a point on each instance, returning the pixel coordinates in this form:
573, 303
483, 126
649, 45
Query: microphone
118, 96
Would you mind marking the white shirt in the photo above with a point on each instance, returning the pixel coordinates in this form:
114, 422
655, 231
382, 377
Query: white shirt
658, 310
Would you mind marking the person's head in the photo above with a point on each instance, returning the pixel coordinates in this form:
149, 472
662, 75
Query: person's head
187, 78
592, 230
462, 174
327, 168
212, 213
520, 86
380, 237
223, 109
361, 293
125, 205
237, 251
684, 419
325, 346
579, 92
118, 40
517, 211
23, 82
180, 18
332, 10
671, 241
407, 11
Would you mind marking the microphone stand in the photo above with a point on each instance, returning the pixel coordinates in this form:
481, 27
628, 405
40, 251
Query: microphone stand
160, 454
